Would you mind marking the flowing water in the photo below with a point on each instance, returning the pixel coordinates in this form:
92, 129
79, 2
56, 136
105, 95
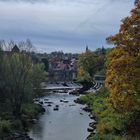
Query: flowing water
70, 122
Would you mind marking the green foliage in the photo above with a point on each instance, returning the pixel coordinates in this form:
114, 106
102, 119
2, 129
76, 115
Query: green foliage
123, 65
31, 110
5, 128
84, 99
17, 125
111, 124
123, 75
106, 137
38, 75
91, 63
46, 64
86, 65
19, 77
17, 80
111, 137
6, 115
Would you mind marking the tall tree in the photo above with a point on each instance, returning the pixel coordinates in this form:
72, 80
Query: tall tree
19, 76
16, 75
46, 64
123, 72
86, 65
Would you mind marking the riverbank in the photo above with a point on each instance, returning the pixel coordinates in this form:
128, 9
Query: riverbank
12, 129
68, 122
109, 124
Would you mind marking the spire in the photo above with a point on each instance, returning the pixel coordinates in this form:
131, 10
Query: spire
86, 48
103, 50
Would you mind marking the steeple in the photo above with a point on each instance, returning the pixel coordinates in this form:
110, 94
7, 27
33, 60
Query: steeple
86, 48
103, 50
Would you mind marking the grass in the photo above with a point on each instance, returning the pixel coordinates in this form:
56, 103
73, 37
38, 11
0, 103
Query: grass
111, 125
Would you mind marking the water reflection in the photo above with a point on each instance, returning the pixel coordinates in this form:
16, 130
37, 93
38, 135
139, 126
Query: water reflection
69, 123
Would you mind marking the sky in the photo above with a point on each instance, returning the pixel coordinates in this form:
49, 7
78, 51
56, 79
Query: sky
62, 25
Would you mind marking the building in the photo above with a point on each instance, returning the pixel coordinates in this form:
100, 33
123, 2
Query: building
63, 69
15, 49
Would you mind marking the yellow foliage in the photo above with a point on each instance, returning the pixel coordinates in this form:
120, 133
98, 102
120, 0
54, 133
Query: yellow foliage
86, 65
123, 69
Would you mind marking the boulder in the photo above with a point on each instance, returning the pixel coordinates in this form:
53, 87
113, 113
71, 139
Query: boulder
90, 129
87, 109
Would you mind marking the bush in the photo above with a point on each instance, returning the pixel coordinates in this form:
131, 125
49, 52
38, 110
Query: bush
106, 137
31, 110
5, 128
6, 116
86, 99
17, 125
111, 124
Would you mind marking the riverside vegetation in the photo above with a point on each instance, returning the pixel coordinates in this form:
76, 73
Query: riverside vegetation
110, 124
117, 105
19, 77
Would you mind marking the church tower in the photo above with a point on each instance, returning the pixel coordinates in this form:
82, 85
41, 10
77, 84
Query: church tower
87, 48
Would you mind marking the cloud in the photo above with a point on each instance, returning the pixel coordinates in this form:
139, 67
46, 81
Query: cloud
62, 24
30, 1
53, 1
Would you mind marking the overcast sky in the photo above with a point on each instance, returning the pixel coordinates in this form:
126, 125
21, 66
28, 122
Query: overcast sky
67, 25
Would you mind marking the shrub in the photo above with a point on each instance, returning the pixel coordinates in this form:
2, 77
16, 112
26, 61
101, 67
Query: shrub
31, 110
106, 137
5, 128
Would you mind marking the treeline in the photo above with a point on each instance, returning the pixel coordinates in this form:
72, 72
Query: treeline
91, 63
20, 76
117, 107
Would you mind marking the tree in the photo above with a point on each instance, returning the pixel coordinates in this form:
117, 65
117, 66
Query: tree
46, 64
86, 65
7, 46
38, 75
123, 69
16, 75
2, 95
26, 46
20, 78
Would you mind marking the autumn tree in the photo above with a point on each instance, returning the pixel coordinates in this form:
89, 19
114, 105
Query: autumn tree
123, 65
100, 61
86, 65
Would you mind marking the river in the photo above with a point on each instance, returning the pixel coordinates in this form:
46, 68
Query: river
70, 122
